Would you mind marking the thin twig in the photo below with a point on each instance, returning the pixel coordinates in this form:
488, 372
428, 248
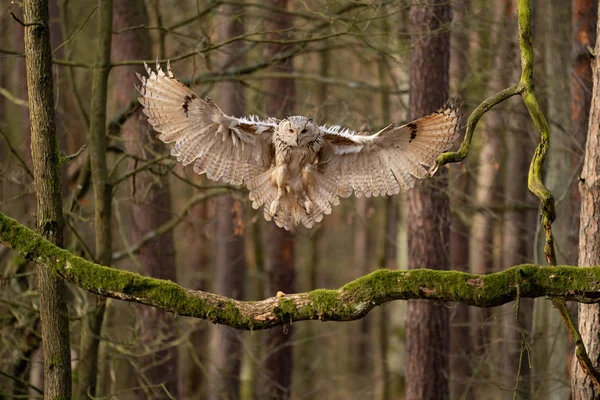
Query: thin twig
23, 23
16, 154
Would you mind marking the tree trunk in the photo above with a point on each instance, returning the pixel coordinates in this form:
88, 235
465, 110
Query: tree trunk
195, 250
427, 340
559, 177
92, 321
360, 349
279, 249
589, 235
481, 245
518, 234
151, 205
230, 262
45, 156
459, 232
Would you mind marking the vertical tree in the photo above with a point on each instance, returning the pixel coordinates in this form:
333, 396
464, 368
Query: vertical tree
151, 205
360, 341
92, 321
46, 161
481, 246
560, 176
459, 231
427, 340
230, 261
279, 243
589, 239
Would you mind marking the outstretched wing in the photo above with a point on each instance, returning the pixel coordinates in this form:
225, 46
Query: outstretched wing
377, 164
232, 149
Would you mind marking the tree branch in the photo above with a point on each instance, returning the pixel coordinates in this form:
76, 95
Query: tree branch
535, 180
350, 302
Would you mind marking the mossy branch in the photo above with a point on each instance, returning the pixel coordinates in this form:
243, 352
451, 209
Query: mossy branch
350, 302
482, 108
535, 180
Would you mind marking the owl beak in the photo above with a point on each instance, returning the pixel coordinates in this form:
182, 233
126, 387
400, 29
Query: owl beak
297, 140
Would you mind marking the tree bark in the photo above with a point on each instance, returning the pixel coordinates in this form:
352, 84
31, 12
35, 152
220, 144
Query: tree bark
461, 349
427, 339
230, 263
151, 202
589, 234
92, 321
279, 243
518, 234
560, 177
46, 161
481, 246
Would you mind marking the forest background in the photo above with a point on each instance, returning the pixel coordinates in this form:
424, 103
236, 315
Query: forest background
127, 204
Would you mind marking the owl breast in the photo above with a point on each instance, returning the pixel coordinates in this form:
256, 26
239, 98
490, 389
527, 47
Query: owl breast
292, 164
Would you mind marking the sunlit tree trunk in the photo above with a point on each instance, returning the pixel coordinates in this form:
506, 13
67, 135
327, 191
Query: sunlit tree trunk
49, 217
151, 205
427, 325
589, 232
230, 262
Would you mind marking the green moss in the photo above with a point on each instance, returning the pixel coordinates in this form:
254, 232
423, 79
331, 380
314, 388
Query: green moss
285, 309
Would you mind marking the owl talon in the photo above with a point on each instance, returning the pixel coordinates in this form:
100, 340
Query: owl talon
309, 207
274, 207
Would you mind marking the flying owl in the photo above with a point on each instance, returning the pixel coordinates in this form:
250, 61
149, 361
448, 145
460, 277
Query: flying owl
293, 167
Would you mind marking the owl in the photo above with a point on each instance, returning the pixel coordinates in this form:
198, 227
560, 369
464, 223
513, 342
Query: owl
293, 167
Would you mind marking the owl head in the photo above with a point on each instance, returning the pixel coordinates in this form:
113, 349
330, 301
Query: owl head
297, 130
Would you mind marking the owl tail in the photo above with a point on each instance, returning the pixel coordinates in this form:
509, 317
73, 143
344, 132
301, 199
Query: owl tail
294, 209
263, 192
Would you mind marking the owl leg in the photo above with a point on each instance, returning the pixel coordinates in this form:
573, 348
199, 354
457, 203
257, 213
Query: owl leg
281, 176
307, 194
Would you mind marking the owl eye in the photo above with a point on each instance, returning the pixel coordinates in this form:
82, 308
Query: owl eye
303, 130
291, 131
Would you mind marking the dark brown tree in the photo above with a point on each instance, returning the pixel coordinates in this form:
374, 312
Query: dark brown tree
49, 217
151, 203
276, 375
427, 339
461, 349
589, 237
92, 321
230, 262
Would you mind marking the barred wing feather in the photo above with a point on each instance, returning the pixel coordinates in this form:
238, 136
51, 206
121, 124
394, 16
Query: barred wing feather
378, 164
234, 150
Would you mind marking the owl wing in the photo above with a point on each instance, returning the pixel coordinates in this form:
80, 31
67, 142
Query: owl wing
232, 149
377, 164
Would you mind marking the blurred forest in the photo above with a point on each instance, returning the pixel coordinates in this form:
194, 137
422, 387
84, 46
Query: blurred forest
359, 64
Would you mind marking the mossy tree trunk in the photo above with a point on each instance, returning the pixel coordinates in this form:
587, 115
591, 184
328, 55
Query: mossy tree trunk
46, 161
427, 338
151, 204
280, 263
230, 261
589, 235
